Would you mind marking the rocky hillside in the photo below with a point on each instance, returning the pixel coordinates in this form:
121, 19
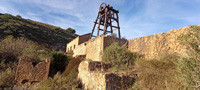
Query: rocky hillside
44, 34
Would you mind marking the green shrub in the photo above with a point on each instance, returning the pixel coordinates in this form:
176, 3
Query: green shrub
59, 62
60, 83
72, 66
11, 49
7, 78
36, 53
67, 81
118, 56
188, 66
70, 30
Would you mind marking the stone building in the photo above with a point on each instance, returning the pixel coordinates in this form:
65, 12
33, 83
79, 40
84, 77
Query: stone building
93, 48
77, 41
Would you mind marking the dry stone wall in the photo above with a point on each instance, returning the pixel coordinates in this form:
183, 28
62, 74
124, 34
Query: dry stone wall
162, 43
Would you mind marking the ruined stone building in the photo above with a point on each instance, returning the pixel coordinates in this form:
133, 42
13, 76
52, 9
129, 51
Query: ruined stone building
93, 72
77, 41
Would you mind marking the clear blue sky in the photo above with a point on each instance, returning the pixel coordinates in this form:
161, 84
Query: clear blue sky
137, 18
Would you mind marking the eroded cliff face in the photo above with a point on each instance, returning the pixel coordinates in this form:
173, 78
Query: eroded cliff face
94, 76
158, 44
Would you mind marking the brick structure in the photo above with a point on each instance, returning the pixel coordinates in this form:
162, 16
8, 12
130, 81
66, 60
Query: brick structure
30, 73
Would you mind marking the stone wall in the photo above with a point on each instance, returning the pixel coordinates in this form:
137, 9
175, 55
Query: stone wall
96, 46
77, 41
80, 50
84, 38
72, 45
30, 73
162, 43
94, 76
108, 40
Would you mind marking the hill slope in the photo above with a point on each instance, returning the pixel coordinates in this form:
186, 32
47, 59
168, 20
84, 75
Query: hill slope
41, 33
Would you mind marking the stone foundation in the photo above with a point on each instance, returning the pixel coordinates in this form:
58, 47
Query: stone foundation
94, 76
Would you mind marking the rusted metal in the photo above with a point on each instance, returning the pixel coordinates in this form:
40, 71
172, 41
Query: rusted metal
107, 21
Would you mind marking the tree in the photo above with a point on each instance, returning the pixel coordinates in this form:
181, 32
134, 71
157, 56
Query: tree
18, 16
70, 30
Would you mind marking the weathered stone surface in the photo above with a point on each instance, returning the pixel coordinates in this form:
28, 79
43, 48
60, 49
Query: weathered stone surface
96, 46
30, 73
94, 76
80, 50
77, 41
162, 43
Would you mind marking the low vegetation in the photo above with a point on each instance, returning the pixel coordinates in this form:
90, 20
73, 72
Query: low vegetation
65, 81
38, 32
167, 71
171, 72
118, 56
12, 49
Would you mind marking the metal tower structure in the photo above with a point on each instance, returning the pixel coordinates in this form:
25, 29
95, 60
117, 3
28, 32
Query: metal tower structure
107, 21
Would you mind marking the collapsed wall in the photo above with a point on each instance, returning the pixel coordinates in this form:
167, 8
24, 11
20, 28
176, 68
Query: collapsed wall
162, 43
30, 73
94, 76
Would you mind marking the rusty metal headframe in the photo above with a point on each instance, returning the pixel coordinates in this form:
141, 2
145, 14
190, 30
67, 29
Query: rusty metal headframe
107, 18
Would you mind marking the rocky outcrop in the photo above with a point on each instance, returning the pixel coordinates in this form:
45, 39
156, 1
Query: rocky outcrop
31, 73
94, 76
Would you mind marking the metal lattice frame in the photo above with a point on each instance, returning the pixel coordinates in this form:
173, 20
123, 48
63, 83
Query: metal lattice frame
106, 16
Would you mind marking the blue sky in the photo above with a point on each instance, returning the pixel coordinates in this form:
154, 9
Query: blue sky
137, 18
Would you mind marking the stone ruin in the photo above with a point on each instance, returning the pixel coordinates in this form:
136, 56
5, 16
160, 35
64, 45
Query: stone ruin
93, 72
30, 73
94, 76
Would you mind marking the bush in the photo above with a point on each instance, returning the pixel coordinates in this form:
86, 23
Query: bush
7, 78
72, 66
59, 62
67, 81
11, 49
59, 83
118, 56
70, 30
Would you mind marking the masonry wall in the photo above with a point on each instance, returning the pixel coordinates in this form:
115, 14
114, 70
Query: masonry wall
95, 47
84, 38
108, 40
80, 50
72, 45
94, 76
162, 43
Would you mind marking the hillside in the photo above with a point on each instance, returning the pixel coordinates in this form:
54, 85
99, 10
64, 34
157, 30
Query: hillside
41, 33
